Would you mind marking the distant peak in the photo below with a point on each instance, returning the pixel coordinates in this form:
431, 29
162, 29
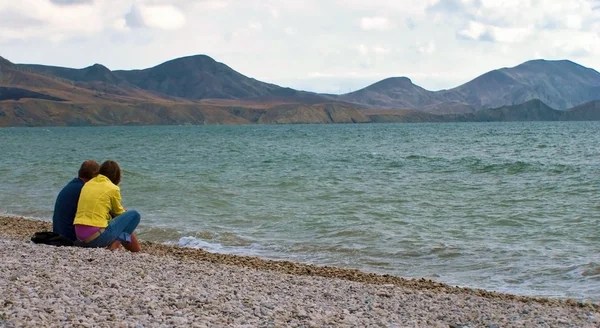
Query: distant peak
546, 62
194, 58
199, 56
189, 62
393, 82
535, 101
98, 67
402, 79
4, 61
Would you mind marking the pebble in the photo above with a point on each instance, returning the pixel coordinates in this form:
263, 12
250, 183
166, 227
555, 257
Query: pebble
59, 287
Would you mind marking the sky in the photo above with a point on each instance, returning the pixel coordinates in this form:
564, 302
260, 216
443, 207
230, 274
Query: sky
329, 46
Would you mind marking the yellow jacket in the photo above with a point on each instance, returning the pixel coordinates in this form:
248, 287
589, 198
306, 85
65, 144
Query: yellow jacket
99, 202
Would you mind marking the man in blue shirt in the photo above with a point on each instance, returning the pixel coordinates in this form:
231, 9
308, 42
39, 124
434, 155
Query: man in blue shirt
66, 202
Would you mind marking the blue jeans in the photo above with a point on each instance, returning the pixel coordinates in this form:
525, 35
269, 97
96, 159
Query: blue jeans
120, 227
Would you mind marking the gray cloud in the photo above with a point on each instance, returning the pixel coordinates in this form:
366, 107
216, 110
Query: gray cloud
450, 7
580, 52
71, 2
134, 18
155, 16
550, 24
18, 20
565, 52
410, 23
485, 36
456, 9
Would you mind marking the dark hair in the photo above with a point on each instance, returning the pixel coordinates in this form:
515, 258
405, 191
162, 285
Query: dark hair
111, 170
88, 170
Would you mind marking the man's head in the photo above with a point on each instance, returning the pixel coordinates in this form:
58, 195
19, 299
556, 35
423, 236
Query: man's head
88, 170
111, 170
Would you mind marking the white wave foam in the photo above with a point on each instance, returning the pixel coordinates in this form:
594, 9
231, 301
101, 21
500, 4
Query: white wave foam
6, 213
251, 250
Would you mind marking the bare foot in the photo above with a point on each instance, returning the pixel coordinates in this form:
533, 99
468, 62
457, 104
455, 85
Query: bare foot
114, 246
134, 245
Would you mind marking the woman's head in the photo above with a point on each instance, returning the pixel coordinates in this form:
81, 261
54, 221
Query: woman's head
111, 170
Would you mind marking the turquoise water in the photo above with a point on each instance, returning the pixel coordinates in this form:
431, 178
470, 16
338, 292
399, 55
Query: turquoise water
510, 207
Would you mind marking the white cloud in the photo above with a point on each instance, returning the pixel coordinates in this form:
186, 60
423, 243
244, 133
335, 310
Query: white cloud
290, 30
375, 23
362, 49
120, 24
164, 17
56, 38
481, 32
511, 35
572, 14
71, 2
574, 21
408, 7
248, 31
475, 31
377, 49
59, 21
575, 45
319, 74
255, 26
380, 50
211, 4
428, 48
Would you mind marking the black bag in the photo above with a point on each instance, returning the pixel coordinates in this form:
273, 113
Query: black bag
50, 238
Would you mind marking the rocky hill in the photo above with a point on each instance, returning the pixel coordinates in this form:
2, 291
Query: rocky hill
586, 112
397, 92
200, 90
533, 110
560, 84
94, 73
198, 77
5, 62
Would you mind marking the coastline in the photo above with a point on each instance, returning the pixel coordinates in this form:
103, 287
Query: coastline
432, 302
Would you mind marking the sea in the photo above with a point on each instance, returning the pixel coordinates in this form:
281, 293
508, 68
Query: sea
511, 207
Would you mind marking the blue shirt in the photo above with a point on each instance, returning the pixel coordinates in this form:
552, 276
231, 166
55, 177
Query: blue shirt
65, 209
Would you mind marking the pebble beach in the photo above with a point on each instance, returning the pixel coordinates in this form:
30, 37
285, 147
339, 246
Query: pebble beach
170, 286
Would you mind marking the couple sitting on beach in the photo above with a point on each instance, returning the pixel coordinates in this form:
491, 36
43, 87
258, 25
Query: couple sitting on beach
89, 213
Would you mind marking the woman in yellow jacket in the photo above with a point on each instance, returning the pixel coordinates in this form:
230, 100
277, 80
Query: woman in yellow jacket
101, 220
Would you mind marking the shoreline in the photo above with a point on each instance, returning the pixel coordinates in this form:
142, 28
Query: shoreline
21, 228
167, 286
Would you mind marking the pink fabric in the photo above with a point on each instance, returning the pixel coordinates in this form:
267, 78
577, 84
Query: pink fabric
83, 232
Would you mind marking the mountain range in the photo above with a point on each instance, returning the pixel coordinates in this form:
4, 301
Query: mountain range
200, 90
